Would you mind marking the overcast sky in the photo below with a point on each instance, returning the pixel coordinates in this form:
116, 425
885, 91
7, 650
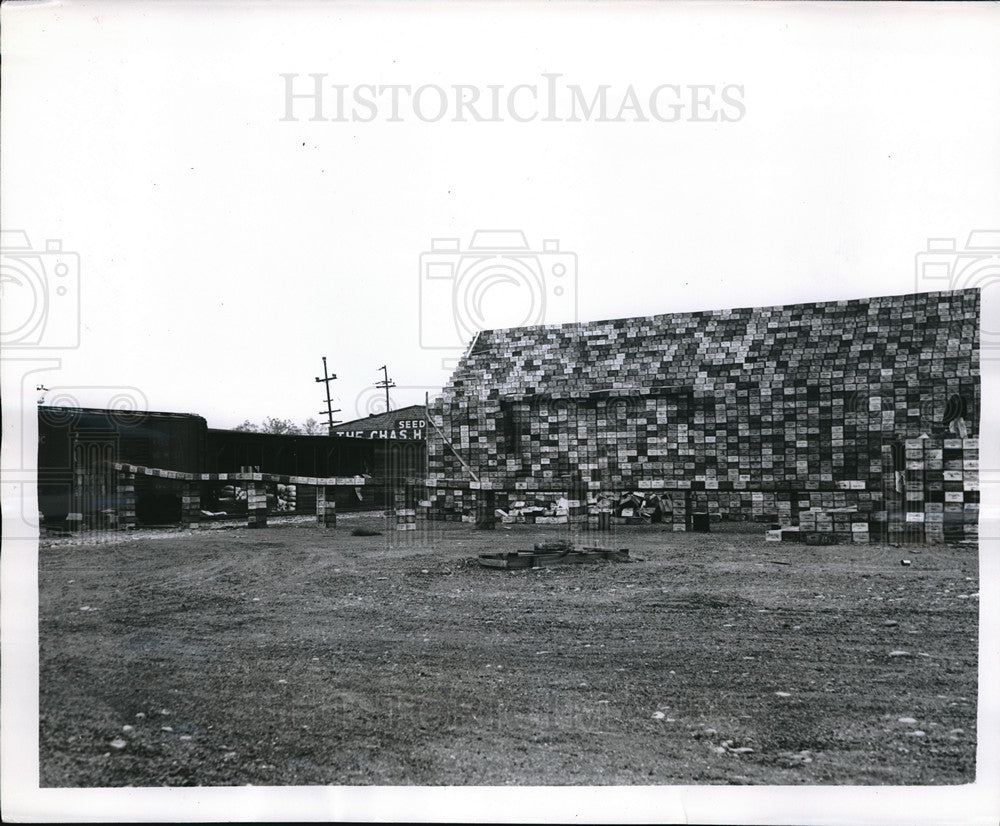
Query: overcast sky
224, 250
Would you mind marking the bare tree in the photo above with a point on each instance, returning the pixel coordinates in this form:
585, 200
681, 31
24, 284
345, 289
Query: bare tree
282, 427
310, 427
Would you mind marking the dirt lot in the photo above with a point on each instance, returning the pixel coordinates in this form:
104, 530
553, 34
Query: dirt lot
297, 656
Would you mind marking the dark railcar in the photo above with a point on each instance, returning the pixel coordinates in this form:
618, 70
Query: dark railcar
229, 451
384, 463
76, 447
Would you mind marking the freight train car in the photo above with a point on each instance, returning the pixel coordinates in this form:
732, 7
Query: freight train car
384, 463
78, 486
76, 446
231, 451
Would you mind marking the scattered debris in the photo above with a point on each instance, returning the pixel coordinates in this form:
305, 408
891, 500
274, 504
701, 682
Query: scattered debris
553, 553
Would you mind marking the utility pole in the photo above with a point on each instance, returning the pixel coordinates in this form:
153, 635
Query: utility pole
327, 378
386, 383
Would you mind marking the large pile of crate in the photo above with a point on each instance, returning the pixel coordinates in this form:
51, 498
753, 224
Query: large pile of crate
940, 494
757, 413
935, 498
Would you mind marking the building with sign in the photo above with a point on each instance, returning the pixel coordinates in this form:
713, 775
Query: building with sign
398, 454
404, 424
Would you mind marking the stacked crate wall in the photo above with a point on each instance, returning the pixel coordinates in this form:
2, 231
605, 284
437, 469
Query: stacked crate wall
757, 408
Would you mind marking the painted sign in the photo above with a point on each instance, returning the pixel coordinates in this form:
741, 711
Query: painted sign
403, 430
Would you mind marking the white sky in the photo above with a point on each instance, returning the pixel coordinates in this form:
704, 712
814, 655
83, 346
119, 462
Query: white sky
223, 252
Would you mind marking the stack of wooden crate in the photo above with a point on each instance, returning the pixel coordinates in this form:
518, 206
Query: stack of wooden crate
190, 504
126, 500
842, 524
939, 497
256, 504
753, 411
326, 506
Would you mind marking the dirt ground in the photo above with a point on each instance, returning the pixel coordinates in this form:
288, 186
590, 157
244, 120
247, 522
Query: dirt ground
294, 655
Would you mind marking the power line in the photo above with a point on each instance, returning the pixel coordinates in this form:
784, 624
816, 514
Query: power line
386, 383
327, 378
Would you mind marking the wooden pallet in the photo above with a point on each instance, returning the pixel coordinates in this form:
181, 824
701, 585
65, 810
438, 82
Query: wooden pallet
536, 559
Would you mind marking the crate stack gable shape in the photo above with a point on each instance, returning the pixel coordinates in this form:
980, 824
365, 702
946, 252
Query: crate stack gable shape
757, 413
